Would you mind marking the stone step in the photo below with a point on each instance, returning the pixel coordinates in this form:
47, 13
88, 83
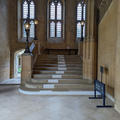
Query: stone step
48, 61
56, 65
56, 76
76, 72
58, 73
60, 63
57, 68
58, 87
58, 56
56, 59
61, 81
67, 60
52, 62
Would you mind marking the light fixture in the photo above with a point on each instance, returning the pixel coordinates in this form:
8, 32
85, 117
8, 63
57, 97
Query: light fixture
27, 30
82, 22
36, 23
27, 25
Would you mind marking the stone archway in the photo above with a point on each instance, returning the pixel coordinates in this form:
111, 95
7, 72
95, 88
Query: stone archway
17, 63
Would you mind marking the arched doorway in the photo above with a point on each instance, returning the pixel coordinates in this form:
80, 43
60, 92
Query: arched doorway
17, 63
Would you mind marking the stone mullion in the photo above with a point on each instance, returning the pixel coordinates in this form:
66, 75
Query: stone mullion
55, 20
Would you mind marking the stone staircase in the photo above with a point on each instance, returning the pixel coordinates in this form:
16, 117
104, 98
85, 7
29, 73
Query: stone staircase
58, 73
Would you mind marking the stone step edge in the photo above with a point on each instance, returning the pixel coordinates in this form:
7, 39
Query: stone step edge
57, 72
58, 81
43, 74
58, 76
58, 86
59, 64
61, 93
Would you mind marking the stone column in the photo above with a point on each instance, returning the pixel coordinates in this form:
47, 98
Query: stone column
26, 72
89, 46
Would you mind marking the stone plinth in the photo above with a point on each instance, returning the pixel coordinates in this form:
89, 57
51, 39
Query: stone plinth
26, 68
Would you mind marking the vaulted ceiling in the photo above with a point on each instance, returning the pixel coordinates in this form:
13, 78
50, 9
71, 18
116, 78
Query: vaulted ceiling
102, 5
98, 2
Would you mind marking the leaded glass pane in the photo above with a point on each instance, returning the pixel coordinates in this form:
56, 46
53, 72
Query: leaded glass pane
52, 29
78, 30
59, 11
24, 33
32, 29
25, 10
58, 29
32, 10
52, 11
79, 12
84, 12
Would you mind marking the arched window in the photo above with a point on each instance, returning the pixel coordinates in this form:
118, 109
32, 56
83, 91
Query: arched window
81, 15
55, 19
28, 8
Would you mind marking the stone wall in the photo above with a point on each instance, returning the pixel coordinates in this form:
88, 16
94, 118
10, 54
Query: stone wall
70, 26
4, 41
107, 45
16, 42
117, 65
10, 19
109, 49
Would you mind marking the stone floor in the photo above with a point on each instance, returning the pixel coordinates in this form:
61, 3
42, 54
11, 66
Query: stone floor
16, 106
12, 81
